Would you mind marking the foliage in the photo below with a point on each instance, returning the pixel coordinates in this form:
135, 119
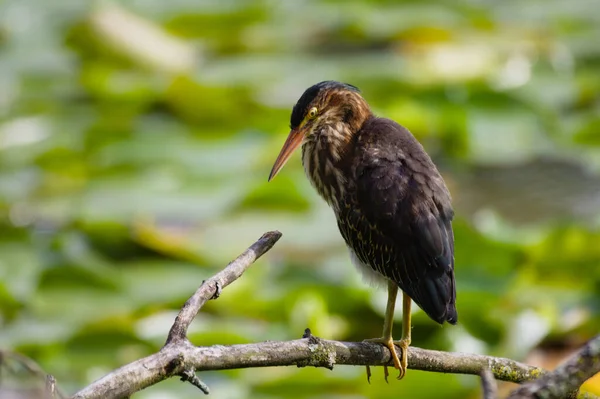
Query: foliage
135, 142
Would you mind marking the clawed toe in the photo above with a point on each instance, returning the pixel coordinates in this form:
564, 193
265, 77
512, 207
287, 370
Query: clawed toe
399, 363
403, 344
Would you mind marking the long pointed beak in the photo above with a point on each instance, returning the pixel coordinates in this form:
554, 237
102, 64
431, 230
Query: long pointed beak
292, 142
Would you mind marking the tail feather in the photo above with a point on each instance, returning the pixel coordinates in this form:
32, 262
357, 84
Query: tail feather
436, 295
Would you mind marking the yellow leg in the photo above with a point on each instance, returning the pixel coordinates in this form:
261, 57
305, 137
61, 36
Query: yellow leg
386, 339
404, 342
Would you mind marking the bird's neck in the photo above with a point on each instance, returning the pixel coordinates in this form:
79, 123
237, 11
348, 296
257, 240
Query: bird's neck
325, 156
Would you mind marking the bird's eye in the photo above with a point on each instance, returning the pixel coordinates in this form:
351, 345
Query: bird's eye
312, 113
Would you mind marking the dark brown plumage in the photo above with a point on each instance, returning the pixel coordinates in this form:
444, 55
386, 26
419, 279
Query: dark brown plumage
392, 206
399, 203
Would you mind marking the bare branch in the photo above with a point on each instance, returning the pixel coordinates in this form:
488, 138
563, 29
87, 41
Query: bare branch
175, 358
567, 378
50, 387
212, 287
488, 385
180, 358
169, 361
318, 352
191, 377
32, 368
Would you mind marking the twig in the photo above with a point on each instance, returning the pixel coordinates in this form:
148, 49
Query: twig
190, 376
50, 386
212, 287
172, 359
51, 389
566, 379
488, 385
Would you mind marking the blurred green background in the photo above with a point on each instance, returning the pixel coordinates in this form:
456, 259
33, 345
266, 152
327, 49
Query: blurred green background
136, 138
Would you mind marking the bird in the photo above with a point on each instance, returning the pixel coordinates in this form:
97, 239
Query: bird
391, 204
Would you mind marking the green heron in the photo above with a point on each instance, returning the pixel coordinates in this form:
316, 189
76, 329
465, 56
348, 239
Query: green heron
392, 206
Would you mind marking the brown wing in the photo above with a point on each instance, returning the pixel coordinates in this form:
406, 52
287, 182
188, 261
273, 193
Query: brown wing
405, 207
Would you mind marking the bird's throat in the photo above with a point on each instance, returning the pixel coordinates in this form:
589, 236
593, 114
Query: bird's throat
324, 156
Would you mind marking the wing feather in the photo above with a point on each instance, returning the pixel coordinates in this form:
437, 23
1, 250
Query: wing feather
405, 208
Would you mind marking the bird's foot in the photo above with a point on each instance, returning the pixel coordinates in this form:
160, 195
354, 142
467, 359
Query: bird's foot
388, 342
404, 343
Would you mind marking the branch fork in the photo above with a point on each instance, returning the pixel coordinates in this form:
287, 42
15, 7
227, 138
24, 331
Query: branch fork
179, 357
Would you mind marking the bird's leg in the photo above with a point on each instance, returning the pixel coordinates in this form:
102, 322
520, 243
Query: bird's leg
404, 342
386, 339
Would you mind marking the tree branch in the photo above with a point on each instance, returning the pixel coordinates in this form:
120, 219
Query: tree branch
488, 385
212, 287
175, 359
50, 389
567, 378
180, 358
317, 352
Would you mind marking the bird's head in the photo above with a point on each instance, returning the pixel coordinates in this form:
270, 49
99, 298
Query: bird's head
332, 108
